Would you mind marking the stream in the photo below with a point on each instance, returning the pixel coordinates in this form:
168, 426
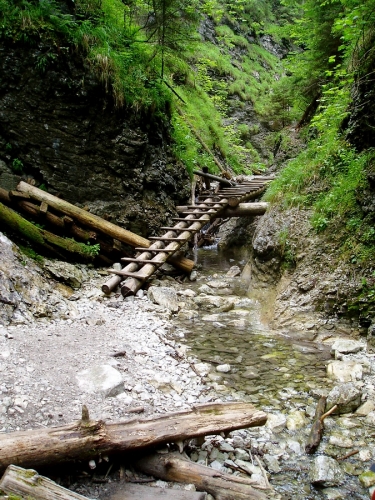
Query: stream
282, 374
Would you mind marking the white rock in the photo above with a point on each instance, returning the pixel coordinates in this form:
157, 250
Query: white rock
202, 368
223, 368
276, 422
344, 371
102, 379
346, 346
164, 296
296, 420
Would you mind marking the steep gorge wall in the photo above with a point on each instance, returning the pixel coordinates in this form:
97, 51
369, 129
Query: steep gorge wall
61, 128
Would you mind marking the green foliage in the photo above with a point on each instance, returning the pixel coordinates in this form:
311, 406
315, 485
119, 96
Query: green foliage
32, 254
17, 166
89, 249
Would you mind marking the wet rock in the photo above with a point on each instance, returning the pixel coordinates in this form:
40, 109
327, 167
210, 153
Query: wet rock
276, 422
341, 441
346, 346
164, 296
344, 371
233, 272
272, 463
346, 396
209, 302
367, 407
325, 471
187, 314
334, 494
223, 368
367, 479
296, 420
202, 368
103, 379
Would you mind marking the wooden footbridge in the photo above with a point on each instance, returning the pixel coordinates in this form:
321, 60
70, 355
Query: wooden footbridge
193, 219
227, 200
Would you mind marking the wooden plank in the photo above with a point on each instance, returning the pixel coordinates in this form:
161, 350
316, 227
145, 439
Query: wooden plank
87, 439
162, 238
166, 250
182, 219
27, 483
179, 228
138, 260
127, 274
130, 491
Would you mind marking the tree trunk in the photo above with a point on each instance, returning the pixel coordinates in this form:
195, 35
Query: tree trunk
86, 439
42, 238
86, 218
172, 467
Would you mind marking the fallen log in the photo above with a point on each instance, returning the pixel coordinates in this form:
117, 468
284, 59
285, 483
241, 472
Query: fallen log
95, 222
56, 245
129, 491
29, 484
86, 439
86, 218
172, 467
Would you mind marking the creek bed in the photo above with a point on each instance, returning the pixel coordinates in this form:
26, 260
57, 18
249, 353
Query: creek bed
279, 374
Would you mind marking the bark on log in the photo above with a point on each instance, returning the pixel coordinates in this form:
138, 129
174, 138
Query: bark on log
29, 484
129, 491
86, 439
316, 431
222, 486
95, 222
42, 238
86, 218
245, 210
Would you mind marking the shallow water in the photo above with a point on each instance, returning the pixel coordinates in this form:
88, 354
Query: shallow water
277, 372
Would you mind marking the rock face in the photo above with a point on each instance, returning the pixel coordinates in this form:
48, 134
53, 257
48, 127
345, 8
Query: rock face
62, 129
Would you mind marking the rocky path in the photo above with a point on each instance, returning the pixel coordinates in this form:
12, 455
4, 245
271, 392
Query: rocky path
61, 348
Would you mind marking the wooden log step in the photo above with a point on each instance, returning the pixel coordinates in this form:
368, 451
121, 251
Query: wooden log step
128, 274
140, 262
190, 220
182, 229
165, 238
198, 213
210, 204
166, 250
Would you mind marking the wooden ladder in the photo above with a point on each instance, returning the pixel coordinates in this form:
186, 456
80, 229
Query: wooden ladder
140, 268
